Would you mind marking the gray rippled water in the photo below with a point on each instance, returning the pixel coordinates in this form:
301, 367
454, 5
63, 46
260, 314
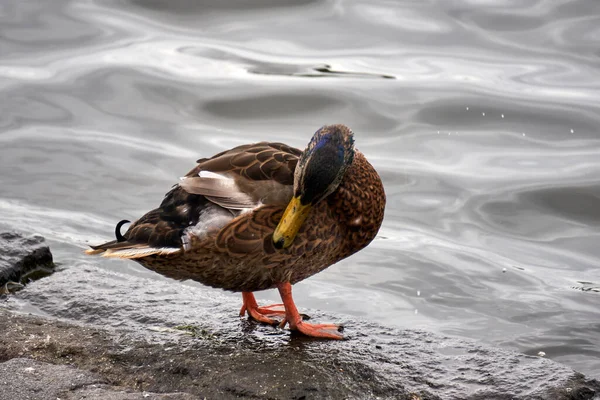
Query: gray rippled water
482, 117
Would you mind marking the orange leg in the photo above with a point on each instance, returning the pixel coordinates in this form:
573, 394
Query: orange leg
327, 331
260, 313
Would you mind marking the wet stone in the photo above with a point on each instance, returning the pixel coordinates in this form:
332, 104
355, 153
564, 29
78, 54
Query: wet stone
22, 258
75, 361
36, 380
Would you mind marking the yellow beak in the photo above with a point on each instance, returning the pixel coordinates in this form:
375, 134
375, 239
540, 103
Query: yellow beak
290, 223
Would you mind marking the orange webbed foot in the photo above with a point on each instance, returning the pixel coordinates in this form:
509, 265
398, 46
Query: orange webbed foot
260, 314
323, 331
294, 318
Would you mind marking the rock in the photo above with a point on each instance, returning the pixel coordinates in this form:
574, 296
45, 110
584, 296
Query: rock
22, 258
28, 379
410, 365
24, 378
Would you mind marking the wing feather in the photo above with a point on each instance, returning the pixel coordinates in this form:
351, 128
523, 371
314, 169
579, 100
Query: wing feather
224, 192
232, 181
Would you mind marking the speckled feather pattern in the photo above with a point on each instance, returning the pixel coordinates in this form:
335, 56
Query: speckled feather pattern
241, 256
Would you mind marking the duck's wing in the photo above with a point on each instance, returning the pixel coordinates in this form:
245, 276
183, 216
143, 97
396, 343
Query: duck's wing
208, 198
246, 176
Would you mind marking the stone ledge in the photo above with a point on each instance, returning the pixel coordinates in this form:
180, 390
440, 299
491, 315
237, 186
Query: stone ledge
72, 361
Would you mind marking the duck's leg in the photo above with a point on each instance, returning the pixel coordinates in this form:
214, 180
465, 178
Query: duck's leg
260, 314
327, 331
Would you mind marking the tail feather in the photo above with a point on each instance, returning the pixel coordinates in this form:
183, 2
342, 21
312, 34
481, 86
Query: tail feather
92, 251
101, 248
115, 249
159, 231
139, 252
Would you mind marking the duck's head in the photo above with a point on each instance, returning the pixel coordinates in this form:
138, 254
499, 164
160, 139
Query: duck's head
319, 172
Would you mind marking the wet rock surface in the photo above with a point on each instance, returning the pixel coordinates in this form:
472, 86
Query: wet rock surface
43, 358
33, 380
22, 258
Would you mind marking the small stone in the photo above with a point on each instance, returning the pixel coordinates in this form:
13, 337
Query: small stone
22, 258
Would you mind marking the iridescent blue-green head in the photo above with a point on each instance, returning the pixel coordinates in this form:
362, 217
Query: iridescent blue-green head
319, 172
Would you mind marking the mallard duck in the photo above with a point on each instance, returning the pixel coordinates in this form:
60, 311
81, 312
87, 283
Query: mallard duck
262, 216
